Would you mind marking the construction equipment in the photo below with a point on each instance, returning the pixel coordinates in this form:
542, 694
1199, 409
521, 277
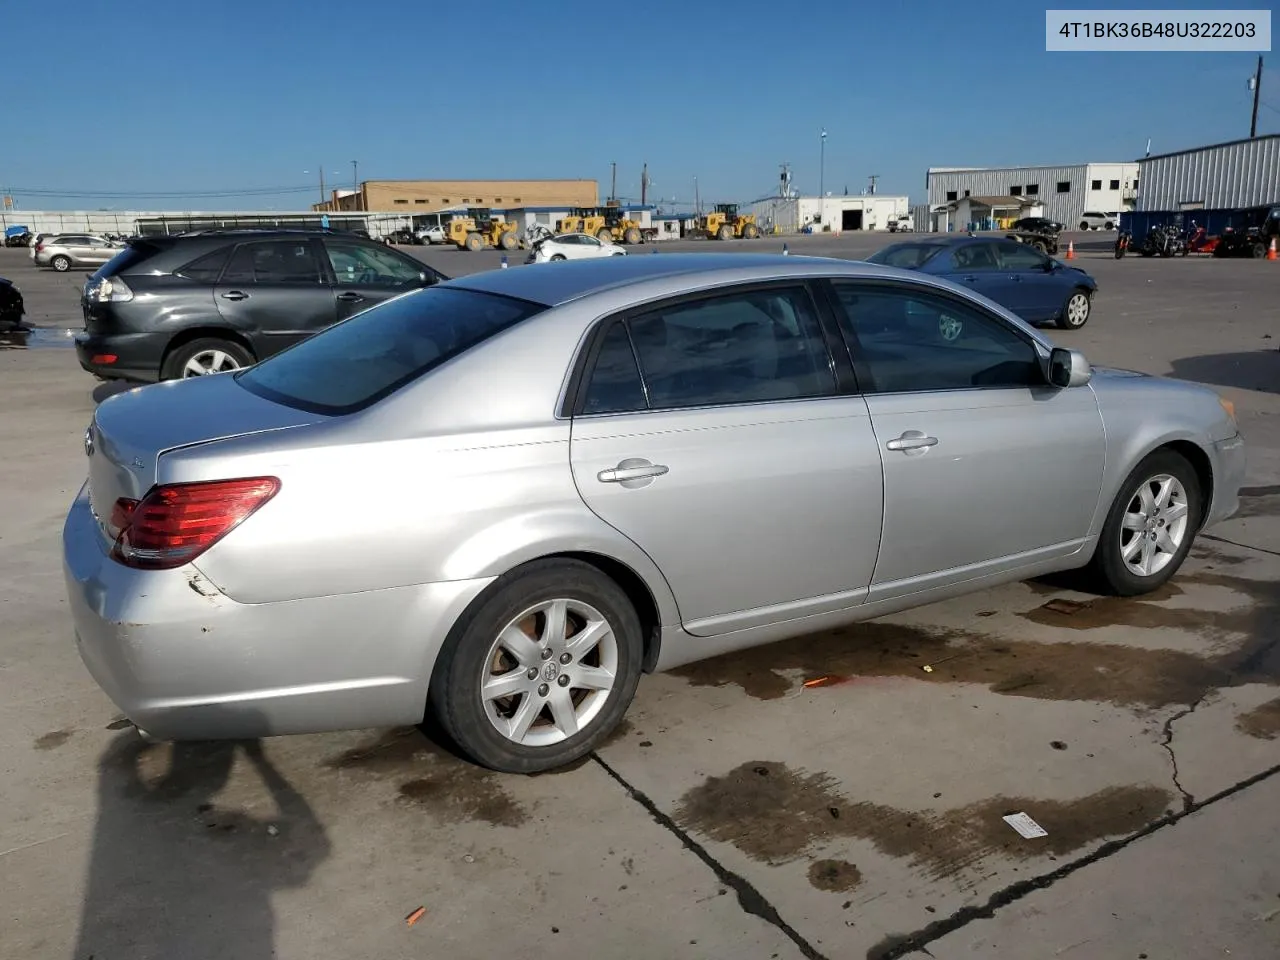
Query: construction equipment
726, 223
622, 229
588, 220
478, 230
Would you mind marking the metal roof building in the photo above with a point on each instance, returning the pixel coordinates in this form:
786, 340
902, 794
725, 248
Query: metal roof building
1224, 176
1065, 192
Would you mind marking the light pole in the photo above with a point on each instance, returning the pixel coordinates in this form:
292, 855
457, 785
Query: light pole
355, 183
822, 177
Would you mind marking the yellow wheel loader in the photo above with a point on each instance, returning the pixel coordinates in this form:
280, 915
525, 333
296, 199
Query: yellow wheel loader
478, 230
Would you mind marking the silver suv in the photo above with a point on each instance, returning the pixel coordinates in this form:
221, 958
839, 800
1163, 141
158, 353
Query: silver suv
1091, 220
67, 250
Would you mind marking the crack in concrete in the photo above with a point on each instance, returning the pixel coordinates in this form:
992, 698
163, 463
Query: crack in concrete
1242, 546
750, 899
1188, 801
897, 946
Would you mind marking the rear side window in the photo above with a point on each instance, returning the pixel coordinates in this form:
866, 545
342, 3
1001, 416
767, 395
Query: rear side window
359, 361
206, 269
910, 256
126, 259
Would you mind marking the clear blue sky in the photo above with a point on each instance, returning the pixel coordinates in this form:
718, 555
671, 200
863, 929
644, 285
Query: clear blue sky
164, 96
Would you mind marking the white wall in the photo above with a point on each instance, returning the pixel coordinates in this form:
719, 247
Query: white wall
1108, 199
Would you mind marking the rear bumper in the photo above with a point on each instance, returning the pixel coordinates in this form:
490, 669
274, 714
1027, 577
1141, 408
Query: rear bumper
137, 355
1229, 464
185, 662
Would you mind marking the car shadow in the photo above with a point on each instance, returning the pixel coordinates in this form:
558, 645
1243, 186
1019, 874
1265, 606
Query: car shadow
1252, 370
174, 873
109, 388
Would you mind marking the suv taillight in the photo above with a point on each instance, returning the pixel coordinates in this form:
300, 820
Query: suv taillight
39, 247
175, 523
107, 290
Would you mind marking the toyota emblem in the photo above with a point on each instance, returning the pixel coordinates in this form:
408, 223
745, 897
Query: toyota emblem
88, 441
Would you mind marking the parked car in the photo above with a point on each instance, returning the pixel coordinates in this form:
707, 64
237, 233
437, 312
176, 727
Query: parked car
167, 308
17, 236
434, 234
11, 306
1093, 220
35, 241
67, 250
1036, 287
905, 224
507, 496
573, 246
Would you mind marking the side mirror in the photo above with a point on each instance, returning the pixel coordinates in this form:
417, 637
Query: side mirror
1068, 368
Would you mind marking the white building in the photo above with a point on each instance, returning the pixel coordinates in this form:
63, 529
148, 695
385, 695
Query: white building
1065, 193
829, 214
1225, 176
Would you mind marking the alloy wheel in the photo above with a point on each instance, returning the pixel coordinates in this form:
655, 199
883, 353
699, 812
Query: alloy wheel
1077, 310
549, 672
1154, 525
209, 361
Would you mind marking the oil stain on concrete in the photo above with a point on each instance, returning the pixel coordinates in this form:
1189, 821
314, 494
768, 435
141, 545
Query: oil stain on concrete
51, 741
1262, 722
834, 876
775, 815
451, 789
1064, 670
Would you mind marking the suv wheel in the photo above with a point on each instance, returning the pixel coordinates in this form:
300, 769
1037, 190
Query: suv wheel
60, 263
205, 356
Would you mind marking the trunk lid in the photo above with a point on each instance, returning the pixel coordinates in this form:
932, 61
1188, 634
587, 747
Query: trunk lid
131, 431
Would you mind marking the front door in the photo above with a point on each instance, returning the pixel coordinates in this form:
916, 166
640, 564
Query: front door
275, 293
365, 275
976, 266
986, 466
709, 432
1037, 291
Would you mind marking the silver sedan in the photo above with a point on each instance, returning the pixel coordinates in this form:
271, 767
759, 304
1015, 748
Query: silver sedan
505, 497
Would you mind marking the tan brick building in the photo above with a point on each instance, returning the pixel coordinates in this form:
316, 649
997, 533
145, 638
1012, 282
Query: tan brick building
427, 196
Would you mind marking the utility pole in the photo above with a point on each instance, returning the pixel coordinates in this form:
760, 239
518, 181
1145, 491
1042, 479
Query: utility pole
1256, 82
355, 182
322, 196
873, 178
697, 201
822, 166
613, 186
644, 183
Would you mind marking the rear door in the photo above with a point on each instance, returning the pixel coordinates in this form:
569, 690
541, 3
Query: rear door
275, 292
363, 275
98, 251
712, 432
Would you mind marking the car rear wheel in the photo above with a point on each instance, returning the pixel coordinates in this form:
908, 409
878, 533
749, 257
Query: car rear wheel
1084, 225
557, 256
1075, 312
1150, 527
60, 263
200, 358
541, 670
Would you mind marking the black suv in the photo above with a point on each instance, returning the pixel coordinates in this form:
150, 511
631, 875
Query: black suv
171, 307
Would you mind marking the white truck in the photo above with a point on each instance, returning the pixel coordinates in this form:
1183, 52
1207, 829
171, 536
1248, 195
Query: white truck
903, 224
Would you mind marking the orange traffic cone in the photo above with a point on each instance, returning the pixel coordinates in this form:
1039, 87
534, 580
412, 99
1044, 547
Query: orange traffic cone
1071, 250
1271, 252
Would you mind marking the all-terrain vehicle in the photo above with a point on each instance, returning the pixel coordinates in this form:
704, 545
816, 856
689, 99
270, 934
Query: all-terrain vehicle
1040, 235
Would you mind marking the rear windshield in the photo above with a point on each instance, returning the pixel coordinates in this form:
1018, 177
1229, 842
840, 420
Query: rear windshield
359, 361
130, 256
908, 255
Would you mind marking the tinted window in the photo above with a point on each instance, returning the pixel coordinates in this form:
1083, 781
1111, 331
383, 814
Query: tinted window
206, 269
615, 385
742, 348
361, 360
1019, 256
130, 256
355, 264
908, 255
915, 341
273, 261
975, 256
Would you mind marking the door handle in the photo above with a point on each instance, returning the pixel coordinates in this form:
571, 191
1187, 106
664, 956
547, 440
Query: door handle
632, 470
912, 440
350, 297
1015, 278
235, 295
969, 279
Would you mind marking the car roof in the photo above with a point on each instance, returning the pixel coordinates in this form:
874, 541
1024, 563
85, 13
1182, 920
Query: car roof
554, 284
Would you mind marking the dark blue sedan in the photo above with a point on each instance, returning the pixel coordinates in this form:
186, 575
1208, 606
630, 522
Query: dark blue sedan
1039, 289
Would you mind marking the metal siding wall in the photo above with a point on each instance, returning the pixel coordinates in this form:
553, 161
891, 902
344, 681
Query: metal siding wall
1064, 207
1230, 176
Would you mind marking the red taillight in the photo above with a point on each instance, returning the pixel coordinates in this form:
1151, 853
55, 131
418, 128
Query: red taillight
104, 358
174, 524
39, 247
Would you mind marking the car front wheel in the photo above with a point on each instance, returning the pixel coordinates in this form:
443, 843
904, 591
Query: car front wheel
1075, 313
538, 673
1150, 526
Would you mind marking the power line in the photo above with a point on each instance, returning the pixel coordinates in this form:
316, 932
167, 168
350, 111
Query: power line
125, 194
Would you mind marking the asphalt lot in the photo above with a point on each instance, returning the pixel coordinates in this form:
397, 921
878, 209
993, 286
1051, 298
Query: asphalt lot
738, 812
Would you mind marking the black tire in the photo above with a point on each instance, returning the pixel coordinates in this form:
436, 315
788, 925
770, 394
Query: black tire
605, 234
1084, 226
176, 360
455, 681
725, 233
1258, 251
750, 232
1064, 320
1107, 568
509, 241
556, 257
60, 263
631, 236
475, 242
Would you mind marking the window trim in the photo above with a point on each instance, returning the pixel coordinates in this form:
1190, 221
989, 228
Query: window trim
857, 357
326, 278
573, 397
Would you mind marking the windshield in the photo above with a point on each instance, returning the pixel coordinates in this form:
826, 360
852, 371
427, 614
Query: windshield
909, 255
358, 362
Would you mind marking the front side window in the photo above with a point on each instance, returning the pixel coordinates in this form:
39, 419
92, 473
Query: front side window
355, 264
273, 261
748, 347
975, 256
1019, 256
917, 341
361, 360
